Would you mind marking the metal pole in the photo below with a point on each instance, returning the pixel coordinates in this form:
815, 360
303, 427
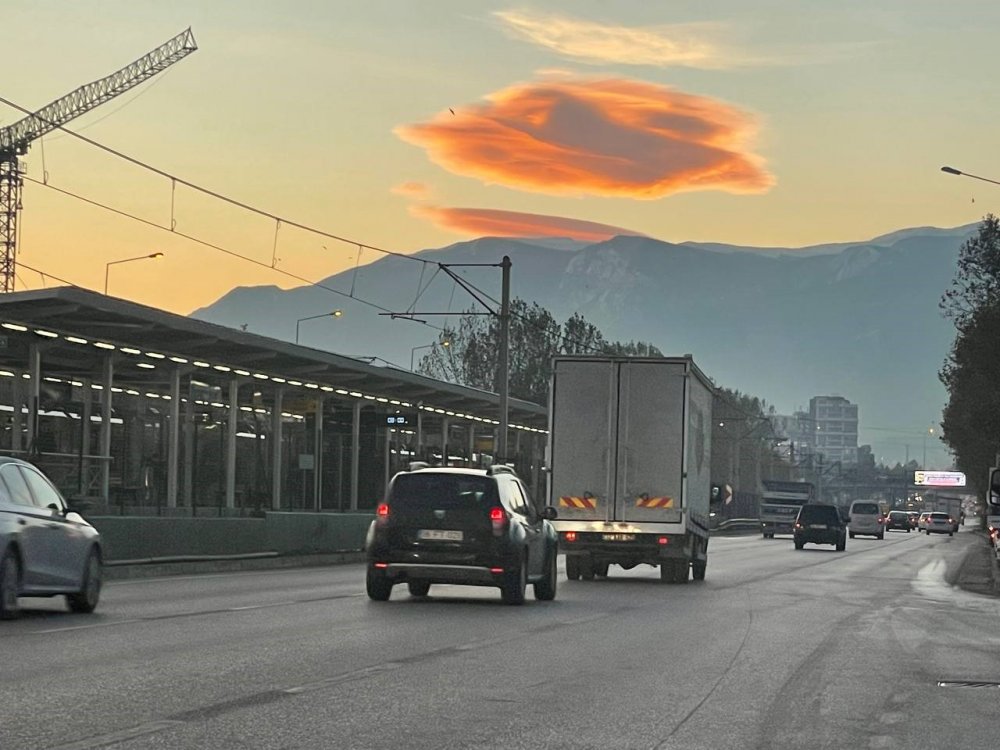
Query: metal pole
503, 376
108, 382
34, 393
174, 437
355, 450
420, 433
318, 456
17, 416
189, 455
277, 470
83, 486
234, 410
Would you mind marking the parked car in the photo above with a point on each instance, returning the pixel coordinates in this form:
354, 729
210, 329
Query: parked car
866, 518
819, 524
46, 549
939, 523
899, 520
461, 526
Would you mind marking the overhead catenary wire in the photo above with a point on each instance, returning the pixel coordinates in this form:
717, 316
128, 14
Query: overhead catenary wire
211, 245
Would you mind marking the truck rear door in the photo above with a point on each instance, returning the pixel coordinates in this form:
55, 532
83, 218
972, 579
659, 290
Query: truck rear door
651, 424
584, 412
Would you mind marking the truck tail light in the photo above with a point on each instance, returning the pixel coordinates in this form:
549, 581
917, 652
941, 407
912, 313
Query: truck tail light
663, 540
570, 536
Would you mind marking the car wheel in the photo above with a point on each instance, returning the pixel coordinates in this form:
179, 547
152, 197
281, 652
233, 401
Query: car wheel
10, 584
515, 583
882, 535
841, 545
928, 532
573, 567
698, 568
799, 545
545, 589
378, 585
852, 535
418, 588
949, 533
86, 599
586, 570
601, 570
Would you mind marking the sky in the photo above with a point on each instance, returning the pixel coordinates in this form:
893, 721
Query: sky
408, 125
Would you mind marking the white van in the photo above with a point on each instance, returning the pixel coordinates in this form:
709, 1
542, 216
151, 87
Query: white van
866, 518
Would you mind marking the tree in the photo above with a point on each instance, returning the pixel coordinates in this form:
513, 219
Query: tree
472, 355
971, 419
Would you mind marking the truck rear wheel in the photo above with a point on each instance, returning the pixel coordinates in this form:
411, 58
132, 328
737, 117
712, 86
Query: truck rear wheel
586, 570
698, 569
601, 569
573, 567
674, 571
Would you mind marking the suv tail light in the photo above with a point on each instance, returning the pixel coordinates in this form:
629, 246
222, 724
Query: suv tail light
382, 512
498, 518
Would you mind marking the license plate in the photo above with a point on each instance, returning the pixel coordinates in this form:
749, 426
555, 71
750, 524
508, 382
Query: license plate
618, 537
439, 535
817, 526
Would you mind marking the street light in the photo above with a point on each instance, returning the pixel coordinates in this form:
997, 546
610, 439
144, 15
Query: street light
930, 431
952, 170
333, 314
107, 266
444, 342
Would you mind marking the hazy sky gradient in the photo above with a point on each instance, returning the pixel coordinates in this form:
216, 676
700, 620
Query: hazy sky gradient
844, 111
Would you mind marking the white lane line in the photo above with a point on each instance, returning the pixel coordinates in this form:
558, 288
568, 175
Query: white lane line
89, 627
122, 735
261, 606
358, 674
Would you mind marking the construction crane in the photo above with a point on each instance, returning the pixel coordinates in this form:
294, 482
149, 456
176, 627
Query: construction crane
15, 139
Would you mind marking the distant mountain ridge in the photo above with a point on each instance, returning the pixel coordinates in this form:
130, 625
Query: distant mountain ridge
856, 319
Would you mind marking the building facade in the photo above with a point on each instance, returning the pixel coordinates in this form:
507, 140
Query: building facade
835, 429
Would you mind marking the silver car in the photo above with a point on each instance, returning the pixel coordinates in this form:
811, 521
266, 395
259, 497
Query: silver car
940, 523
866, 518
45, 548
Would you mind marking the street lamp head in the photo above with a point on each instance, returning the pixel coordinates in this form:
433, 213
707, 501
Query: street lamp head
446, 343
155, 255
950, 170
337, 313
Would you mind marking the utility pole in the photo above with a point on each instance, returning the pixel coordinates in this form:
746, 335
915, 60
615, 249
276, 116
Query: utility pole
503, 375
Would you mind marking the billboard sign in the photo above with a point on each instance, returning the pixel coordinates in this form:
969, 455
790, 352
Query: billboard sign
939, 478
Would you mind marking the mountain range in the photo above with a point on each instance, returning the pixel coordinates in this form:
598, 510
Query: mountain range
859, 319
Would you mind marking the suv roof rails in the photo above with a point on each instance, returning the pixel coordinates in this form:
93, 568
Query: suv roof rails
501, 469
417, 465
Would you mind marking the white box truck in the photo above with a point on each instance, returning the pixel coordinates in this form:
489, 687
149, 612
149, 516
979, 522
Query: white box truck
629, 464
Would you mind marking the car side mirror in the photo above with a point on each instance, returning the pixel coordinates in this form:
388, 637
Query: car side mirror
549, 513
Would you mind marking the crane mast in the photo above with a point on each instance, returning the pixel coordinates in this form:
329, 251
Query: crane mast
15, 139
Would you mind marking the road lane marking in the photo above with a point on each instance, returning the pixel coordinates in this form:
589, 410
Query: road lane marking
357, 674
122, 735
87, 627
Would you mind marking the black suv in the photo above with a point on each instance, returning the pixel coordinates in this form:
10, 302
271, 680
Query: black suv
461, 526
820, 524
898, 519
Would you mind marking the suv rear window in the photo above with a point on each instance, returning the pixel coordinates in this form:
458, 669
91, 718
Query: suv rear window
868, 509
898, 515
443, 491
939, 516
819, 514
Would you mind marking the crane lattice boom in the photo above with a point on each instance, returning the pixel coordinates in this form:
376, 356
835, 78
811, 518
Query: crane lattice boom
15, 139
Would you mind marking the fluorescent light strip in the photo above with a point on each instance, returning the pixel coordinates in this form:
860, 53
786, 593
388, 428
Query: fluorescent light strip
76, 340
130, 350
14, 327
156, 355
46, 334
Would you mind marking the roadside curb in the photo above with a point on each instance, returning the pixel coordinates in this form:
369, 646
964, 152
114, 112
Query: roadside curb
979, 571
163, 567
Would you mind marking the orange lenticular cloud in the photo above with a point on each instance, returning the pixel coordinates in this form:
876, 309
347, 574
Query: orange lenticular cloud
606, 137
488, 222
415, 190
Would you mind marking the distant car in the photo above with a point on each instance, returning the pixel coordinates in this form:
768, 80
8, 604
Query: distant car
939, 523
866, 519
899, 520
461, 526
922, 520
819, 524
46, 549
914, 517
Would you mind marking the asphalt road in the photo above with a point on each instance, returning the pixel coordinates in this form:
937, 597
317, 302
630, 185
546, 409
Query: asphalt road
776, 649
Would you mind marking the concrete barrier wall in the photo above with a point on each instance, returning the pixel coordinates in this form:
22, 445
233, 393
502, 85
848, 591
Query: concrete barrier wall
142, 537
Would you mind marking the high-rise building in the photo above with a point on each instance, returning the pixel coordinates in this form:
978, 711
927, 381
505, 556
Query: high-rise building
835, 423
